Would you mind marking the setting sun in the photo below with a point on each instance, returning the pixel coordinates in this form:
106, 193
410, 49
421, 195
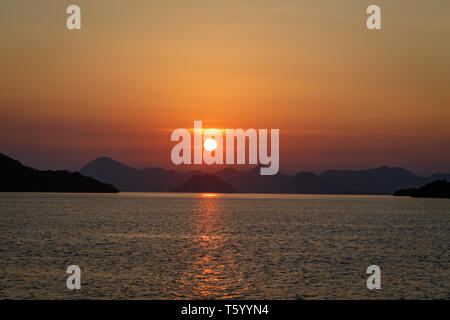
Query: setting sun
209, 195
210, 144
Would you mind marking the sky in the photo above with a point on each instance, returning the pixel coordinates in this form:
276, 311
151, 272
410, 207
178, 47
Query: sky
342, 96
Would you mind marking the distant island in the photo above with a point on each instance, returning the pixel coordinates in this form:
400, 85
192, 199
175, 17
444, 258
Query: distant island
435, 189
15, 177
204, 183
382, 180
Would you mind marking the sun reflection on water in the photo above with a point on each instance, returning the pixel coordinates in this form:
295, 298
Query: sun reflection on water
211, 271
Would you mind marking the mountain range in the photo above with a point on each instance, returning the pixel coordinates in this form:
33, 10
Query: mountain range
107, 175
383, 180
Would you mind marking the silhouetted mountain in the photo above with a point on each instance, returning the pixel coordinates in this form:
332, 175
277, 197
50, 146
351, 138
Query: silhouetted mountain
303, 182
252, 181
435, 189
16, 177
382, 180
204, 183
126, 178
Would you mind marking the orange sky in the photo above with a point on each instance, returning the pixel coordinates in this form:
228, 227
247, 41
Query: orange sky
341, 95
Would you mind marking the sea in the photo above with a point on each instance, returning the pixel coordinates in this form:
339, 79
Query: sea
223, 246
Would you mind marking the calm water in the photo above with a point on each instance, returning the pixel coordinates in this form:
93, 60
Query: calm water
178, 246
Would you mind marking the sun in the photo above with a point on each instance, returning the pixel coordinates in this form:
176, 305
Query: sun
210, 144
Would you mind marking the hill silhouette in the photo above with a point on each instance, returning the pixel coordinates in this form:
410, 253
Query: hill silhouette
435, 189
204, 183
252, 181
383, 180
15, 177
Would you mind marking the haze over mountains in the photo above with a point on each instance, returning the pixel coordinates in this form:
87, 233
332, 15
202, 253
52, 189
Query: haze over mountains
383, 180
